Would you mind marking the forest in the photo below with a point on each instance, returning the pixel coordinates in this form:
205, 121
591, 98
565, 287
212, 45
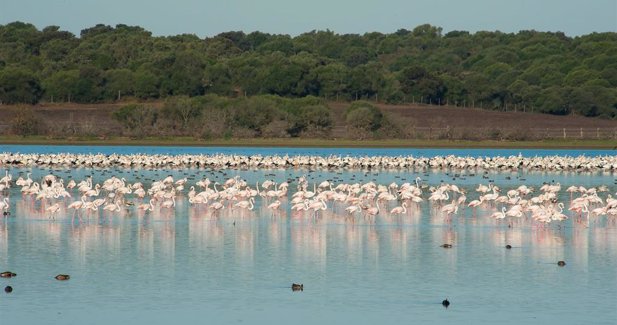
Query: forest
545, 72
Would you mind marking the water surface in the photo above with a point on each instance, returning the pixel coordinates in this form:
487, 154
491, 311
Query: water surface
190, 266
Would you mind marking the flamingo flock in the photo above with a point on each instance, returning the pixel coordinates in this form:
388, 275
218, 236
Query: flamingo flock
554, 163
52, 196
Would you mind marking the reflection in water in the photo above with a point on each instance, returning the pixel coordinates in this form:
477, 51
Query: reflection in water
191, 259
308, 243
4, 244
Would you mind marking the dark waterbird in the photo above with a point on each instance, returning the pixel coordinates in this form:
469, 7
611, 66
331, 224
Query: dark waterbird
445, 303
297, 287
8, 289
62, 277
446, 246
7, 274
508, 247
561, 263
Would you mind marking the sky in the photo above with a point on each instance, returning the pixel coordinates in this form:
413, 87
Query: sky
293, 17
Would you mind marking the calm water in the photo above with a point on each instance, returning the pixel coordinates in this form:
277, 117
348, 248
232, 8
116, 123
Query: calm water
238, 268
419, 152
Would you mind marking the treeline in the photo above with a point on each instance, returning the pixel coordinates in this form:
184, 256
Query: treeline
543, 72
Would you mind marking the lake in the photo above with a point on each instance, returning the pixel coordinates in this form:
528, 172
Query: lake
190, 265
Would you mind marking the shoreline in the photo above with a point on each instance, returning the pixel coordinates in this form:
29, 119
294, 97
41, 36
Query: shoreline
311, 143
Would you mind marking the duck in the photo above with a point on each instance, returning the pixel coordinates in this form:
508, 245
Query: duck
7, 274
446, 246
445, 303
561, 263
297, 287
62, 277
8, 289
508, 246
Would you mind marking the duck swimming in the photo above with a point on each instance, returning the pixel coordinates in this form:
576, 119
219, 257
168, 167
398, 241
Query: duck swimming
508, 247
445, 303
8, 289
297, 287
561, 263
62, 277
7, 274
446, 246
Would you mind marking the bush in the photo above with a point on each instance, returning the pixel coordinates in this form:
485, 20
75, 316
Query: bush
373, 114
181, 108
518, 135
26, 122
471, 135
390, 128
137, 120
310, 120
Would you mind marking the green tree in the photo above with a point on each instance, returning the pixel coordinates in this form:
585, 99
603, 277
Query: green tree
118, 83
146, 85
331, 79
62, 85
18, 85
416, 81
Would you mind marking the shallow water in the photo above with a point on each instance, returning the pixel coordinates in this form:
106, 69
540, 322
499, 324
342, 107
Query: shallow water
281, 151
189, 266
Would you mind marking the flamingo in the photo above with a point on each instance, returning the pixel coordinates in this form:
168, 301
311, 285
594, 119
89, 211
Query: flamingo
476, 203
274, 205
317, 205
372, 211
112, 207
450, 209
53, 210
168, 204
146, 206
400, 210
246, 204
499, 215
77, 205
4, 205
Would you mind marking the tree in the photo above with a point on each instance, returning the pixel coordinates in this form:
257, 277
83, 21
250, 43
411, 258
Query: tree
331, 80
89, 87
62, 85
146, 85
182, 108
492, 67
136, 119
217, 79
416, 81
118, 83
18, 85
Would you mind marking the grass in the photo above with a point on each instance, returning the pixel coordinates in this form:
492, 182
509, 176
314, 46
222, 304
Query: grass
303, 142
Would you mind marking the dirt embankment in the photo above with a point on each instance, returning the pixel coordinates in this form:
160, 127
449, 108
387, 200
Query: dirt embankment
97, 118
461, 120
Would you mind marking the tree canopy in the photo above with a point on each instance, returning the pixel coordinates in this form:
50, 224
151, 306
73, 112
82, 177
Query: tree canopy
544, 71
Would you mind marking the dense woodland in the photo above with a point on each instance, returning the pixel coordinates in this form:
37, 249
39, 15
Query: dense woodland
544, 72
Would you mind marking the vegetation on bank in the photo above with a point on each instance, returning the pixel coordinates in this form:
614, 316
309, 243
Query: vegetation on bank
528, 70
215, 117
302, 142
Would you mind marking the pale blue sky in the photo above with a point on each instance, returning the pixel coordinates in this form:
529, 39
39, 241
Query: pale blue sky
207, 17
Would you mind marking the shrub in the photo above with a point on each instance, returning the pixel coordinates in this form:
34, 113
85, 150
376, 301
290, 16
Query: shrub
137, 120
26, 122
371, 122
